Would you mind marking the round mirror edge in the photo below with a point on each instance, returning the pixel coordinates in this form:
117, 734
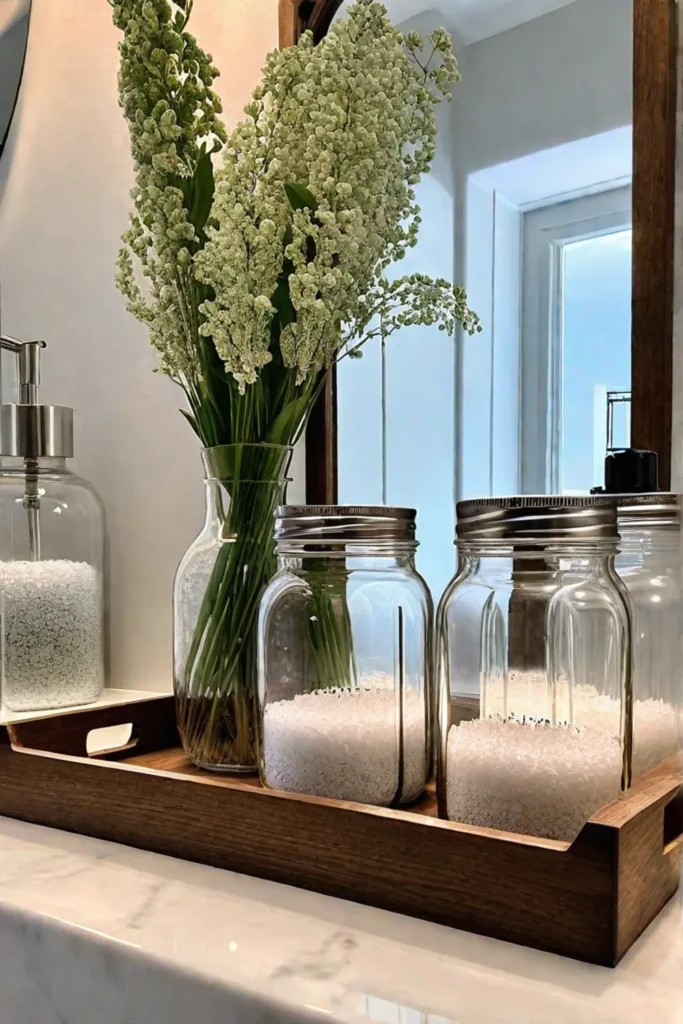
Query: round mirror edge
21, 24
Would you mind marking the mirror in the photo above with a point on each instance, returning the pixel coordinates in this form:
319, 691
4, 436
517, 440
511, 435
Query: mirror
14, 19
529, 207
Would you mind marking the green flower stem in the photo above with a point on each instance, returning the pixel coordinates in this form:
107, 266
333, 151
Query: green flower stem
329, 632
219, 686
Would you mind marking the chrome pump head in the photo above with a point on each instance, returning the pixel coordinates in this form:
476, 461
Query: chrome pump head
29, 429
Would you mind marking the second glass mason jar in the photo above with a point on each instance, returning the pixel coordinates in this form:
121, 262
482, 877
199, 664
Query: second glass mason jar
537, 621
344, 657
649, 564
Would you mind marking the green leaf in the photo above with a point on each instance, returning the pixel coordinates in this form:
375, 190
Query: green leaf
191, 420
203, 187
285, 427
301, 198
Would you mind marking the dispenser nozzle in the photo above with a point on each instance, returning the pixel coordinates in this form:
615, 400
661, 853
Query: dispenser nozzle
29, 372
28, 359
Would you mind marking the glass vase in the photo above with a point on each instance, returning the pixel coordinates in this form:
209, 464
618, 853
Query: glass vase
217, 590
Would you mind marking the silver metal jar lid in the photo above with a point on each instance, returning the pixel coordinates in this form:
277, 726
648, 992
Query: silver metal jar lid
648, 510
339, 524
542, 519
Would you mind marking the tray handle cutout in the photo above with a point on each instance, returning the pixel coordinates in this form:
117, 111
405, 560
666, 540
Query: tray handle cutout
101, 732
673, 824
111, 740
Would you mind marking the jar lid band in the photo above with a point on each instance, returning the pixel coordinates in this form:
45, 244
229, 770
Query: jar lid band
339, 524
542, 520
649, 510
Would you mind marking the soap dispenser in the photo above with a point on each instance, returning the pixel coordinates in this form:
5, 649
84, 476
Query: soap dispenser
52, 540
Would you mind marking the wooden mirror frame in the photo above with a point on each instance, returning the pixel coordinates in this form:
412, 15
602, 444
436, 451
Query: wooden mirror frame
655, 48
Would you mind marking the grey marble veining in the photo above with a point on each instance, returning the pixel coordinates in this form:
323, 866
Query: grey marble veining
94, 933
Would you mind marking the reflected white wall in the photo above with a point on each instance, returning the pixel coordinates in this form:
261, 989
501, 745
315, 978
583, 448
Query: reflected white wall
396, 410
563, 77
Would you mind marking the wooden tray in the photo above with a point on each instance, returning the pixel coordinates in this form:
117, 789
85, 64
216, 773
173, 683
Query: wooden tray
590, 900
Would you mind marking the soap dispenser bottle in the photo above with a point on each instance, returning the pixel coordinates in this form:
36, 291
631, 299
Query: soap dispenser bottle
51, 555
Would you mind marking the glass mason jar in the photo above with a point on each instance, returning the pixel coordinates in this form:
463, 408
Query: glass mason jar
344, 657
649, 565
536, 620
52, 538
216, 596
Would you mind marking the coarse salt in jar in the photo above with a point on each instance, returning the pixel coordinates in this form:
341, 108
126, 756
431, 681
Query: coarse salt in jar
649, 565
536, 623
344, 657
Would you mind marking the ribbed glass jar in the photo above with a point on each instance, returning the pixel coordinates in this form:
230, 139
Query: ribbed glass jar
344, 657
650, 566
536, 625
52, 589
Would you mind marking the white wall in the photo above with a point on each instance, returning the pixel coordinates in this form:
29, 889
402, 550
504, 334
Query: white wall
64, 204
564, 76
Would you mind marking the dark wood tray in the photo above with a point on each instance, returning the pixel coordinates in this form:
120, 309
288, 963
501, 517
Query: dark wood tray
590, 900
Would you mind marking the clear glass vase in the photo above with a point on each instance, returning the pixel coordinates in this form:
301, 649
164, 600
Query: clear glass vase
217, 590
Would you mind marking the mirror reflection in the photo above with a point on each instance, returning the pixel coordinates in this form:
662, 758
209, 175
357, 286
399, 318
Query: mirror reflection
14, 18
529, 206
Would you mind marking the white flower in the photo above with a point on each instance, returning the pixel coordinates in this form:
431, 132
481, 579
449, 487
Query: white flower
281, 268
165, 92
353, 119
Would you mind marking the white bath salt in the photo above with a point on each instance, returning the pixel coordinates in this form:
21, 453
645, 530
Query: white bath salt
52, 634
538, 780
656, 734
655, 722
344, 744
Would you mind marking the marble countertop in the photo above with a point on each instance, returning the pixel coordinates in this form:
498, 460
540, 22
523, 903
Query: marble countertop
95, 933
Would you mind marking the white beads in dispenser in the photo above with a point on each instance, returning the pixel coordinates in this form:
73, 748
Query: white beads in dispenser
51, 555
537, 621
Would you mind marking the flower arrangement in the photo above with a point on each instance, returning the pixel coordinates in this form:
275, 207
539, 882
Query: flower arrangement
258, 275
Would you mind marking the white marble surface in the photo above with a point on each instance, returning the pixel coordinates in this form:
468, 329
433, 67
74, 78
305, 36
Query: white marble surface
94, 933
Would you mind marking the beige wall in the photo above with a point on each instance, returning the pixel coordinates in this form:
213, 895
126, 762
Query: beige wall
63, 205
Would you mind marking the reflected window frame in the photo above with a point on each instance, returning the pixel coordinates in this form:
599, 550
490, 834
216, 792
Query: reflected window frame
546, 232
